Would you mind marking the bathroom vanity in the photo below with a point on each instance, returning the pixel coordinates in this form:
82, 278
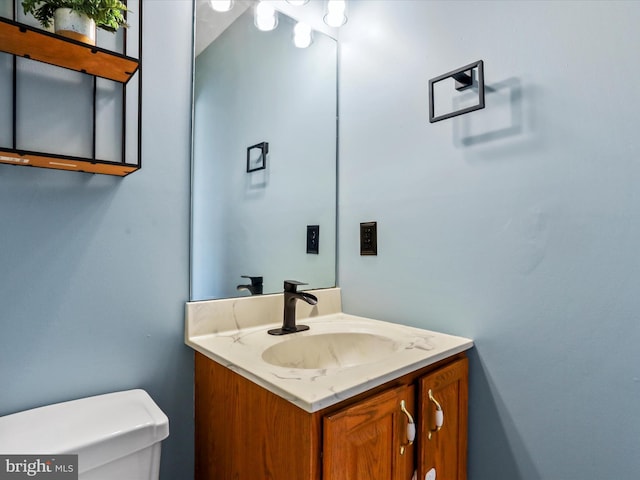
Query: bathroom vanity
339, 401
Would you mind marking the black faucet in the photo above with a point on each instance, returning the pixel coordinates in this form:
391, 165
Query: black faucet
291, 296
256, 285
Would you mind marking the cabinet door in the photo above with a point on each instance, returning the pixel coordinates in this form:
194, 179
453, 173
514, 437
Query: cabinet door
368, 440
444, 449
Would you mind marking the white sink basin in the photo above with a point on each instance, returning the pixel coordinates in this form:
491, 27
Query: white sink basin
330, 350
340, 356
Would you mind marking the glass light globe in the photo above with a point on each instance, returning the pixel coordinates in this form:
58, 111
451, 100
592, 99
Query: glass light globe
221, 5
265, 17
336, 16
302, 35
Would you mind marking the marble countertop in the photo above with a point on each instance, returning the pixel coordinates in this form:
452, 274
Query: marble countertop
313, 389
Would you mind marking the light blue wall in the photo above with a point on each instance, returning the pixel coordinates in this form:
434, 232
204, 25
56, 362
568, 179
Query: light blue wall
517, 226
94, 269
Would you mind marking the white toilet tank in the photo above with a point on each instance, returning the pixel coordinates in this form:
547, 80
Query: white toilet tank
116, 436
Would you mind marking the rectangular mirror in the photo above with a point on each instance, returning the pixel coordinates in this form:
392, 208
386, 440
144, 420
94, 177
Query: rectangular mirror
250, 87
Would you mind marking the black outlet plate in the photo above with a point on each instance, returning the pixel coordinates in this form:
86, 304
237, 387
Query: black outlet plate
369, 238
313, 239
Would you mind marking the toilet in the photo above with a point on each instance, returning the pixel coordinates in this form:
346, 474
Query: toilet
116, 435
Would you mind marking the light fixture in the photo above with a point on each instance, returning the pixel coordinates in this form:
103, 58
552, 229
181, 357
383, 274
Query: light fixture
221, 5
302, 35
336, 13
297, 3
265, 17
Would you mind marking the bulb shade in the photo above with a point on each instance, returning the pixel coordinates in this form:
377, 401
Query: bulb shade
336, 16
297, 3
302, 35
221, 5
265, 17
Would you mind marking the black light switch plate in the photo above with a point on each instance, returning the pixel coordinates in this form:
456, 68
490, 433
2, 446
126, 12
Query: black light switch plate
369, 238
313, 239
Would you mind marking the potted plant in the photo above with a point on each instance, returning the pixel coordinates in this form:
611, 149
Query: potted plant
78, 19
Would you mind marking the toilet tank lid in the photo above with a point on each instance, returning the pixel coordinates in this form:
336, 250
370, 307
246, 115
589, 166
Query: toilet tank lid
100, 428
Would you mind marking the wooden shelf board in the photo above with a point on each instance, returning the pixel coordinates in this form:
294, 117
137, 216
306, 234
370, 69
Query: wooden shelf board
25, 41
69, 163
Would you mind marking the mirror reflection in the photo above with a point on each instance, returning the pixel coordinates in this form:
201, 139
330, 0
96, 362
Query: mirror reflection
277, 219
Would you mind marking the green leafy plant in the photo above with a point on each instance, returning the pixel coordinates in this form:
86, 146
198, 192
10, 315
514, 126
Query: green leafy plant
108, 14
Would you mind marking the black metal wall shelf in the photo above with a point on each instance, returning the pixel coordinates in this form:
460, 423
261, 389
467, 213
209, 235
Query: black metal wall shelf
24, 41
65, 162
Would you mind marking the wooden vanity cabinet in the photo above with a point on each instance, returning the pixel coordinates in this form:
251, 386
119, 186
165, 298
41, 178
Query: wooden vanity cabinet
245, 432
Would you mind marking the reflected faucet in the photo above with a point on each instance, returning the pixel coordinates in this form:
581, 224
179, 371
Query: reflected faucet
291, 296
256, 285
